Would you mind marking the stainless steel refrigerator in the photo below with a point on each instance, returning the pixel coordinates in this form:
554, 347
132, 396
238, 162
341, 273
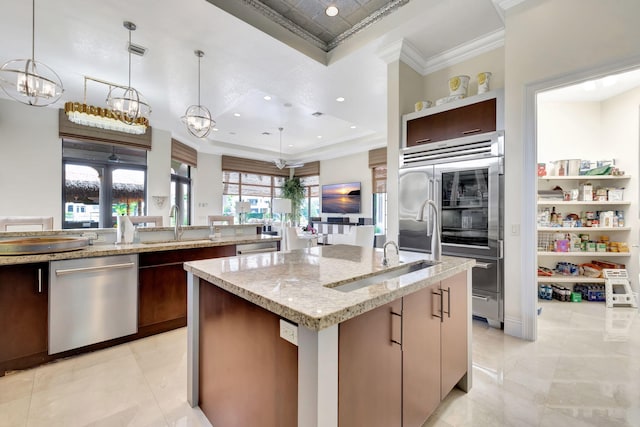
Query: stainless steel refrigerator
465, 178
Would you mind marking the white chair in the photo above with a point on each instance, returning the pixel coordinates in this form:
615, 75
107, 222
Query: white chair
362, 235
220, 219
26, 223
294, 241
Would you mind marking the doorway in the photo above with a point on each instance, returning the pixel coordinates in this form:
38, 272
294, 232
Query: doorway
591, 116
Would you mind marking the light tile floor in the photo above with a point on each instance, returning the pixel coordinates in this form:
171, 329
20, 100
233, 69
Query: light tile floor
584, 370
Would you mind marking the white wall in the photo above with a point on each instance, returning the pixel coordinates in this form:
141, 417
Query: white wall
350, 169
159, 173
30, 158
570, 130
207, 188
545, 40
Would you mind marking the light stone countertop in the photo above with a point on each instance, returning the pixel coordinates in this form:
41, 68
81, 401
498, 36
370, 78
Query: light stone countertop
108, 249
297, 285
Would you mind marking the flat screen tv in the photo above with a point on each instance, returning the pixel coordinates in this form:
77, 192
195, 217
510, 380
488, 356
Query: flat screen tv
341, 198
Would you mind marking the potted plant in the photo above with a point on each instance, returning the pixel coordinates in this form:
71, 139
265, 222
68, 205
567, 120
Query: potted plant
294, 190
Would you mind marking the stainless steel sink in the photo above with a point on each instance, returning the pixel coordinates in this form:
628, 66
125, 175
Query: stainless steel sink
379, 278
41, 245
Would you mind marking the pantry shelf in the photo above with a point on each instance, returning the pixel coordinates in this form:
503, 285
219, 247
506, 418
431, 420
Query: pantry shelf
594, 229
578, 202
583, 254
569, 279
583, 177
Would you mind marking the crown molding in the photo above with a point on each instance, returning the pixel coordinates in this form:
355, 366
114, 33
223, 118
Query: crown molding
403, 50
464, 52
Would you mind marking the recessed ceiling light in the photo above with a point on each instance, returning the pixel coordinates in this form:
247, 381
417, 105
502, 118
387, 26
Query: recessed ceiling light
319, 136
316, 114
352, 126
266, 133
288, 104
215, 129
331, 11
236, 114
290, 145
340, 99
232, 133
267, 98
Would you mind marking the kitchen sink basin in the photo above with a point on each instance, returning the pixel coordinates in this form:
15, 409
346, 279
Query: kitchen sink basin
379, 278
196, 239
41, 245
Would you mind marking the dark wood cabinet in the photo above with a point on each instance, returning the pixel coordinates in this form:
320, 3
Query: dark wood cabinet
23, 315
162, 286
476, 118
247, 375
397, 362
454, 332
421, 355
370, 368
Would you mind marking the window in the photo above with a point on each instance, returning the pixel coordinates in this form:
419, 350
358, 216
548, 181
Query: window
379, 179
181, 190
101, 181
260, 190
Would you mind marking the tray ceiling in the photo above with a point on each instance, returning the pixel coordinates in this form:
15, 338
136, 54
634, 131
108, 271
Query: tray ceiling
307, 18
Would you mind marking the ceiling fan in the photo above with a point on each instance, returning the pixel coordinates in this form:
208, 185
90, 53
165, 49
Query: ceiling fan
282, 163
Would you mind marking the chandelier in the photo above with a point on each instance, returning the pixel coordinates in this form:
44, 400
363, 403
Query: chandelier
29, 81
103, 118
128, 104
198, 117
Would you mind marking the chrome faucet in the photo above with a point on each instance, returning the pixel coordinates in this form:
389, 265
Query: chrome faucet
385, 260
436, 243
177, 227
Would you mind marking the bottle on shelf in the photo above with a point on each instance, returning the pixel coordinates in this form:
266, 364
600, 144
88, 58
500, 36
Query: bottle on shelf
554, 215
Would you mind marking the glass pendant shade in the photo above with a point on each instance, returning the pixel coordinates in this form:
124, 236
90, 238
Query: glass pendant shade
126, 102
197, 118
29, 81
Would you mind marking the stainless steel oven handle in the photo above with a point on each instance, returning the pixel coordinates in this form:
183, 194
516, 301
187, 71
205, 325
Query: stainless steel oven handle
483, 265
480, 297
66, 271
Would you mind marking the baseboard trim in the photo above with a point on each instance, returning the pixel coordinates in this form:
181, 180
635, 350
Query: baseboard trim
513, 327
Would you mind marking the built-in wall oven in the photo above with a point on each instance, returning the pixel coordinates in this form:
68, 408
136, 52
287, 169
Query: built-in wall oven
465, 178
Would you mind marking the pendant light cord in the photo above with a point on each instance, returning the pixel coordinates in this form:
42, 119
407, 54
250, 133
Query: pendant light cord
129, 49
33, 30
199, 57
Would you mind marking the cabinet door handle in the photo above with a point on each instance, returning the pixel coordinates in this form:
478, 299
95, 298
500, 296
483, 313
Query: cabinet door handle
394, 341
470, 131
483, 265
441, 316
39, 280
65, 271
480, 297
448, 291
420, 141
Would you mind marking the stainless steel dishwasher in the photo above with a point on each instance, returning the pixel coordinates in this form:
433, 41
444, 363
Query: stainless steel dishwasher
92, 300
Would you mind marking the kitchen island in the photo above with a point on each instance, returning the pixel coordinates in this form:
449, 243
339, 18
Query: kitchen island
312, 338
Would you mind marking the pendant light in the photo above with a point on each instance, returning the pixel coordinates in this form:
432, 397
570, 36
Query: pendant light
280, 162
198, 117
128, 104
29, 81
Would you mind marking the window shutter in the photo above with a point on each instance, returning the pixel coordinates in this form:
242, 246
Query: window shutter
183, 153
378, 157
259, 167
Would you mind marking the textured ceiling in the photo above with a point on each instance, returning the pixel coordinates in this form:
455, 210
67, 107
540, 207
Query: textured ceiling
307, 18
